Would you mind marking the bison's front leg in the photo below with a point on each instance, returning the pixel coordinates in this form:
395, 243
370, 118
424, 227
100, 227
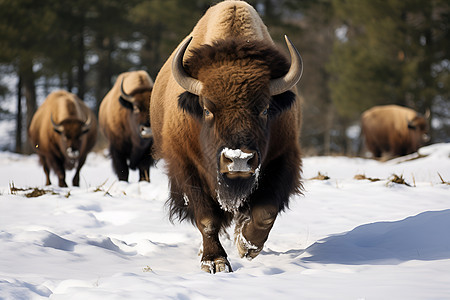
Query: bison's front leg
214, 257
76, 177
46, 168
119, 161
58, 166
252, 232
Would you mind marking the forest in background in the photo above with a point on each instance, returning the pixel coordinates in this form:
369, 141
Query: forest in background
356, 53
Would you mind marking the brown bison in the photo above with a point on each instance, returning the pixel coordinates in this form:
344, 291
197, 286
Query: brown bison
125, 120
226, 121
393, 130
63, 131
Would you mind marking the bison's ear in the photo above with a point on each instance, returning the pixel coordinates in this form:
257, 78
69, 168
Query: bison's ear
125, 103
281, 103
190, 103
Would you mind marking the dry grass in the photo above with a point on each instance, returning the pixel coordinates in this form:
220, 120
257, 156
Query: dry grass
363, 177
101, 188
398, 180
442, 180
320, 176
30, 192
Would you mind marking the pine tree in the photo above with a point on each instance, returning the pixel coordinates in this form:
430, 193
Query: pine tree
393, 51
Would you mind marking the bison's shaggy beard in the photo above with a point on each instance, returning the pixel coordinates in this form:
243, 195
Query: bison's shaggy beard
232, 194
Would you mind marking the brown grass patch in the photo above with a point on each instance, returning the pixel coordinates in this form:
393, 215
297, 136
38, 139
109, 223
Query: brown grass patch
30, 192
363, 177
320, 176
398, 179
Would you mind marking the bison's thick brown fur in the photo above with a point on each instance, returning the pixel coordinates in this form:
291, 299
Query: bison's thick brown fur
125, 120
63, 131
227, 125
393, 130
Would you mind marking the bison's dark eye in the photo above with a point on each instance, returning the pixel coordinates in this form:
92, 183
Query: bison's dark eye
265, 112
207, 113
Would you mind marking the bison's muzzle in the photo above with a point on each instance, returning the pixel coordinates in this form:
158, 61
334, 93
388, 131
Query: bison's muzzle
72, 153
238, 171
237, 163
145, 132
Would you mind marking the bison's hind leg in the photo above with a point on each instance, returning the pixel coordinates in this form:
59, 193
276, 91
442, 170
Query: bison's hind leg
144, 168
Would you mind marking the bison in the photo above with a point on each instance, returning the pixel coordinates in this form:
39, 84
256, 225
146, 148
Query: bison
226, 120
63, 131
125, 120
393, 130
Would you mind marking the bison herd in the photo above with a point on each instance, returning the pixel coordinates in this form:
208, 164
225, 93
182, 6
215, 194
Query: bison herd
225, 115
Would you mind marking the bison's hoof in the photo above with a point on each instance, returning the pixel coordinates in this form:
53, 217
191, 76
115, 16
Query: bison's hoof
220, 264
245, 248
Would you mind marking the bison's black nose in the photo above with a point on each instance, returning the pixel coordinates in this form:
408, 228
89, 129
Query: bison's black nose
238, 163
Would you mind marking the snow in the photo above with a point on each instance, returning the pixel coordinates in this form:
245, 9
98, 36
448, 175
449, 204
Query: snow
343, 239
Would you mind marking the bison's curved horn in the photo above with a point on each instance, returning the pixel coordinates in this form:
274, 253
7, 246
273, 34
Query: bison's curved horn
124, 95
188, 83
282, 84
58, 127
427, 114
87, 124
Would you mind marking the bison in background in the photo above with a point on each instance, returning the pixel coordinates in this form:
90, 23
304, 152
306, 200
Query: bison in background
63, 131
226, 120
393, 130
125, 120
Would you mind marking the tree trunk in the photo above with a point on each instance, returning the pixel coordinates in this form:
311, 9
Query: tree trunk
329, 120
19, 117
104, 68
27, 74
81, 61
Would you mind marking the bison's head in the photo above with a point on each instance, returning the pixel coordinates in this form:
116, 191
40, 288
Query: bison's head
418, 128
138, 103
236, 90
71, 132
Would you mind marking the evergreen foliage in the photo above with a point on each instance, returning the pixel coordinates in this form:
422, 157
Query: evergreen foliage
356, 54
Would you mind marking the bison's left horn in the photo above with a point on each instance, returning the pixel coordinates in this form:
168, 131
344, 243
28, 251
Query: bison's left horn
187, 82
281, 85
125, 95
58, 127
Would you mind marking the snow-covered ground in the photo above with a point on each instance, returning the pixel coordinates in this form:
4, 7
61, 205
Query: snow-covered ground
343, 239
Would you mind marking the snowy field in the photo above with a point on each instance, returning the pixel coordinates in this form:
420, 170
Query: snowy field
343, 239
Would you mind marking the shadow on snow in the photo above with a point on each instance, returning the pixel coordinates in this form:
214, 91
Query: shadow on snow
425, 236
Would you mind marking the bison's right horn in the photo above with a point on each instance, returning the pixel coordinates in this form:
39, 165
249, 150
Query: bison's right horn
125, 95
58, 127
188, 83
87, 124
280, 85
427, 114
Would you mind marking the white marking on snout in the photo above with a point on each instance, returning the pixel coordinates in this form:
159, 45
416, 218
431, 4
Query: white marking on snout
72, 154
146, 132
239, 159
